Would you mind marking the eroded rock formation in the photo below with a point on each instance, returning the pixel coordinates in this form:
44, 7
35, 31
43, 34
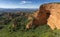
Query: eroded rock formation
48, 14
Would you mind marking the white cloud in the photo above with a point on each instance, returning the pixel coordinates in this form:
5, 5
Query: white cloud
25, 2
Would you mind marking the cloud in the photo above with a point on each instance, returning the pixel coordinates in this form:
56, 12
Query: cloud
25, 2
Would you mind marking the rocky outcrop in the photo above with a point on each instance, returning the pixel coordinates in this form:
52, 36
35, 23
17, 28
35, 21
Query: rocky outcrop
48, 14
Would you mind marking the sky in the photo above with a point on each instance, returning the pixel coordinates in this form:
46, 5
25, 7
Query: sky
24, 3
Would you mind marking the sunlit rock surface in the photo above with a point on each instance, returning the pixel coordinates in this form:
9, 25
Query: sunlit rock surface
47, 14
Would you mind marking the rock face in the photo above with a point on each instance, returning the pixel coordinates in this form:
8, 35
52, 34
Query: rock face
52, 12
48, 14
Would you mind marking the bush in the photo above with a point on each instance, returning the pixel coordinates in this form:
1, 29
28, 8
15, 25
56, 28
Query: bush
20, 23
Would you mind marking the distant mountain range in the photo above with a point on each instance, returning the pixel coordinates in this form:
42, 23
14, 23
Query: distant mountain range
17, 9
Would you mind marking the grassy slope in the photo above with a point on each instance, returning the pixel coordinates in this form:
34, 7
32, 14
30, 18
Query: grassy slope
41, 31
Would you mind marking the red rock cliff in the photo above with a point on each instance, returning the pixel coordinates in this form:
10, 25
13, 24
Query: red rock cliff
48, 14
